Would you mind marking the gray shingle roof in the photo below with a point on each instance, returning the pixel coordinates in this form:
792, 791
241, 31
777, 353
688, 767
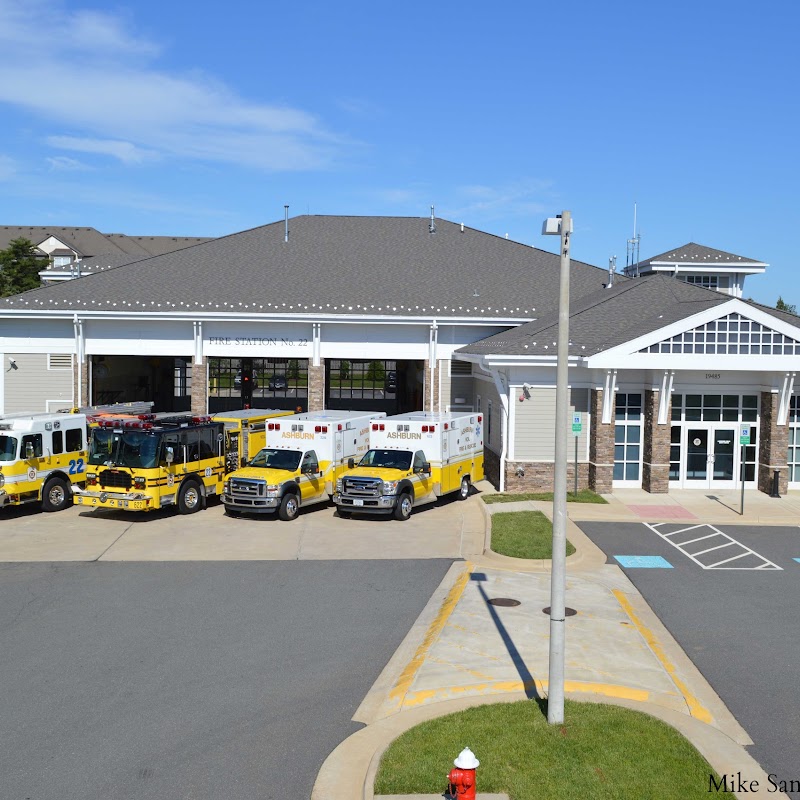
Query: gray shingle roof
334, 264
699, 254
610, 317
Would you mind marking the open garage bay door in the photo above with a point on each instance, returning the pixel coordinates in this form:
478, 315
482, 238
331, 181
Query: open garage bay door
164, 380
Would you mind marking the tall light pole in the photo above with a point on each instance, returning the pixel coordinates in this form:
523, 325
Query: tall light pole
558, 577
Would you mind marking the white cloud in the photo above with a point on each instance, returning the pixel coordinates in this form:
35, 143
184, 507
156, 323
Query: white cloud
126, 152
114, 94
65, 164
491, 202
8, 168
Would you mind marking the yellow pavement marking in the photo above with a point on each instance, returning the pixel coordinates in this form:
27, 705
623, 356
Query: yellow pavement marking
696, 709
407, 676
540, 687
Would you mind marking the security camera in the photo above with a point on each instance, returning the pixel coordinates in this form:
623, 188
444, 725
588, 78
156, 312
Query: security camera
13, 363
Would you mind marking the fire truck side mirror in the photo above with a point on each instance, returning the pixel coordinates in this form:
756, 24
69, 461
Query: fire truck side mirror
28, 450
351, 462
169, 457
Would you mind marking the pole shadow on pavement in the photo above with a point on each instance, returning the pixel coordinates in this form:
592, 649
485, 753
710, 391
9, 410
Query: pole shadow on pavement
528, 682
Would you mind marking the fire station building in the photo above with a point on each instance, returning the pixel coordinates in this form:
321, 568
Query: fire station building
399, 314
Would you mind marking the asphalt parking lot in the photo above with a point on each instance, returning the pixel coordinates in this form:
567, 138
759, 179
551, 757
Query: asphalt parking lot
729, 595
191, 680
447, 529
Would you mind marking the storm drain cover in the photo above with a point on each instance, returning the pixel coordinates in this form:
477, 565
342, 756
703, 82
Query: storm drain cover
568, 612
503, 601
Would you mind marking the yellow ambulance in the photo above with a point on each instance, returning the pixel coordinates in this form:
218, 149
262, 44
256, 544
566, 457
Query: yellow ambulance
413, 459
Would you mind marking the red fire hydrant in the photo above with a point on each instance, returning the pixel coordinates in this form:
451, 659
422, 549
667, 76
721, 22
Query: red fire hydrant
462, 778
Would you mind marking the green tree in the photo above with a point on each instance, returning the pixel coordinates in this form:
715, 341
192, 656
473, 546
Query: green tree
19, 268
344, 370
781, 306
376, 371
293, 369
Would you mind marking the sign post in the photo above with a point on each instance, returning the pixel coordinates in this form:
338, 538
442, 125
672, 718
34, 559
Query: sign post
576, 432
744, 440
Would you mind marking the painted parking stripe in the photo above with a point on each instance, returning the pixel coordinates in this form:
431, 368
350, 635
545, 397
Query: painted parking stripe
733, 553
644, 562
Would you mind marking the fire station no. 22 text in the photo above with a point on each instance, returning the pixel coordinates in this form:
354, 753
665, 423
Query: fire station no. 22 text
257, 340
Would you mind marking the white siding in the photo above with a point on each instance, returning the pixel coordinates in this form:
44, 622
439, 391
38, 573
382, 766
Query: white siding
34, 387
534, 424
485, 387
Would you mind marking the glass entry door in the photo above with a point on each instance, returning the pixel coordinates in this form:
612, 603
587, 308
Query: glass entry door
711, 457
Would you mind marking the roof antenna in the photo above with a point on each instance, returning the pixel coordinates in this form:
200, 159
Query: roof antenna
286, 223
632, 258
432, 223
612, 269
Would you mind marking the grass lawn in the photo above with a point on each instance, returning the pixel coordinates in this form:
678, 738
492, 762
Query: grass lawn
583, 496
600, 752
524, 534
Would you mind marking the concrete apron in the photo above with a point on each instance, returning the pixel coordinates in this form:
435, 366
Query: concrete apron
463, 651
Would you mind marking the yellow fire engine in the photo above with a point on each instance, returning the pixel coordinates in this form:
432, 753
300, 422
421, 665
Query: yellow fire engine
42, 459
413, 459
246, 432
145, 462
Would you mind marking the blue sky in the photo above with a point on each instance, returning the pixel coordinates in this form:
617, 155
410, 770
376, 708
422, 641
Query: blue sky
201, 120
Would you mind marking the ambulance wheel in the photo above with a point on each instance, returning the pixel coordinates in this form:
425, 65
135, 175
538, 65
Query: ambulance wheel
402, 510
290, 507
463, 492
344, 514
56, 495
190, 498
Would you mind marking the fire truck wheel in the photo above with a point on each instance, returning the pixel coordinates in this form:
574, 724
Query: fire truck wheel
56, 495
402, 510
190, 498
463, 492
290, 507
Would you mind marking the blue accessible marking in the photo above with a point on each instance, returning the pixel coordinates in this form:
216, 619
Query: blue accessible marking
797, 560
644, 562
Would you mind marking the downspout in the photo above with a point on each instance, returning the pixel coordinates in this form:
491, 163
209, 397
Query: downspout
432, 362
77, 326
502, 392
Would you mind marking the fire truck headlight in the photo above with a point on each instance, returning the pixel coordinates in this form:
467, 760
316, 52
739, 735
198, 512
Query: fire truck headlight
390, 487
139, 483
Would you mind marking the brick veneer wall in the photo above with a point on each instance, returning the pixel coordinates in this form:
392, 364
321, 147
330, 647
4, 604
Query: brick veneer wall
601, 446
773, 446
316, 387
539, 476
656, 442
81, 392
426, 390
200, 388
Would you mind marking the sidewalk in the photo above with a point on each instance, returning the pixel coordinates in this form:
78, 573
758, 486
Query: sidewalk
465, 651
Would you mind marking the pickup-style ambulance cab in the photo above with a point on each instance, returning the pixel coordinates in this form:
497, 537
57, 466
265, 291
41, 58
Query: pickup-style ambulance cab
413, 459
42, 458
246, 432
303, 457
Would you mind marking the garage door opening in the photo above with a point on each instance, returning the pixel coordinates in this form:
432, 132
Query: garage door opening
374, 385
162, 380
238, 383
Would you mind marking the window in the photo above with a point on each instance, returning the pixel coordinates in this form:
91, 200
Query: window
310, 462
271, 377
730, 335
794, 439
58, 443
675, 453
74, 440
714, 408
627, 436
706, 281
362, 379
207, 442
35, 441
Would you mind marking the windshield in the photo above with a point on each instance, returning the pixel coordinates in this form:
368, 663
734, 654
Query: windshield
129, 449
8, 448
277, 459
388, 459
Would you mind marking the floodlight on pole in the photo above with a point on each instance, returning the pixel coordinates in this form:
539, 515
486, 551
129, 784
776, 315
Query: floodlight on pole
559, 226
